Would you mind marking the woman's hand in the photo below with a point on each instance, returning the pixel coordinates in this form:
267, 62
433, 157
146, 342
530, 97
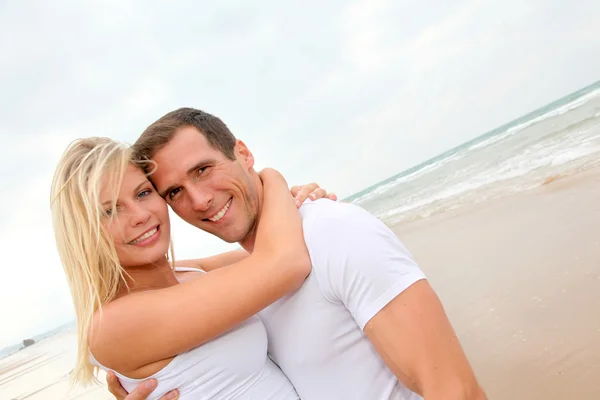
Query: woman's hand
310, 191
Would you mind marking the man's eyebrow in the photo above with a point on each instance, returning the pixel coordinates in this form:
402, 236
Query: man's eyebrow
200, 164
192, 169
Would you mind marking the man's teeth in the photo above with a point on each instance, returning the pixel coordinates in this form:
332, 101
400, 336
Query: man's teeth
221, 213
144, 236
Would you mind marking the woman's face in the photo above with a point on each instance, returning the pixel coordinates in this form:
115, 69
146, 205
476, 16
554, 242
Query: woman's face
140, 226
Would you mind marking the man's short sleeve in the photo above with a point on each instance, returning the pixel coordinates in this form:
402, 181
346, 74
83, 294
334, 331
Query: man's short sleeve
359, 261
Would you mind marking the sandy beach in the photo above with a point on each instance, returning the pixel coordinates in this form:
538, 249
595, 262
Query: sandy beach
520, 280
41, 372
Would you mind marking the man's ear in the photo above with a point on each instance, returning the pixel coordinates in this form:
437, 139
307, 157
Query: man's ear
244, 154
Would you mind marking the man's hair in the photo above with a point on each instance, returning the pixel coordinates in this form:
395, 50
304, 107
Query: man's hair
160, 133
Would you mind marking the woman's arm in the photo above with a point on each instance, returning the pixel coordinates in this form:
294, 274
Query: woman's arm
214, 262
146, 327
300, 194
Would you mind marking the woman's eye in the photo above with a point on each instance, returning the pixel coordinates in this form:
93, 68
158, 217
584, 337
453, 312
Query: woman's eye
144, 193
113, 211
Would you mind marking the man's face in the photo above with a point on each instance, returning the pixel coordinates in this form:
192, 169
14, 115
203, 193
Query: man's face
205, 188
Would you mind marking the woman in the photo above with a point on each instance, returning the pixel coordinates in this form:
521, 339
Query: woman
140, 317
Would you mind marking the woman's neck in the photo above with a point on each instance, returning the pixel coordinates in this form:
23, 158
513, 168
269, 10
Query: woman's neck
157, 275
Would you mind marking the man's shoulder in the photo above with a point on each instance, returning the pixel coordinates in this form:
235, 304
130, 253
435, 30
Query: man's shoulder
327, 219
325, 209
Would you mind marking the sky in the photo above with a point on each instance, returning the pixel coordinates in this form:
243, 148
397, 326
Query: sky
344, 93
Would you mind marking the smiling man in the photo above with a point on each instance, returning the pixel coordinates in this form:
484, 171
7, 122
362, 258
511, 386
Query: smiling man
229, 199
366, 324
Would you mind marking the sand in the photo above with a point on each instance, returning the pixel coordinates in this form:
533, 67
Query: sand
519, 278
41, 372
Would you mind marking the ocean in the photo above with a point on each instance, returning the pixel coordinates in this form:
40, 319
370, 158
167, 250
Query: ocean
7, 351
558, 139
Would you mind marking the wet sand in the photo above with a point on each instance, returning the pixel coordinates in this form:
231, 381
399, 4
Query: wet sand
520, 280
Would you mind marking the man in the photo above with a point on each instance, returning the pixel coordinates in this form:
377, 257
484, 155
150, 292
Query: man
365, 325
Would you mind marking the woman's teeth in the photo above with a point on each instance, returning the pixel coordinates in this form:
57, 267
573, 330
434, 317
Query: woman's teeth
144, 236
221, 213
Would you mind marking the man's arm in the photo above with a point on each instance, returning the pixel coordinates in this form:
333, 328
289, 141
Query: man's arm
372, 273
415, 339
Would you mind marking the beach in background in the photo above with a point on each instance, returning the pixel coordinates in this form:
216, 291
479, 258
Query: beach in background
505, 227
520, 280
41, 372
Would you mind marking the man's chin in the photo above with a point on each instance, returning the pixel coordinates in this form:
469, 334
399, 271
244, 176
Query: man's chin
230, 240
229, 234
228, 237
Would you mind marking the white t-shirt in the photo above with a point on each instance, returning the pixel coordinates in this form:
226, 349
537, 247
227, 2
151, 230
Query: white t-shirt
233, 365
316, 334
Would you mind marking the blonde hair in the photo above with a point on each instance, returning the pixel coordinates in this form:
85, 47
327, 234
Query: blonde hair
87, 252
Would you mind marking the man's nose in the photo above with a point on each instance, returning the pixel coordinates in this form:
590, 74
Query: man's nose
199, 199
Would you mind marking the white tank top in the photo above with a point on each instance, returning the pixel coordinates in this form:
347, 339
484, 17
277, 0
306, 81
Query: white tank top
234, 365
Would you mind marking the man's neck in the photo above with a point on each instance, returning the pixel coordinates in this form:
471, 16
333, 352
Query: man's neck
247, 242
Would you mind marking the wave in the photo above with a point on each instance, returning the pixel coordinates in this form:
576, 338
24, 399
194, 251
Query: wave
384, 188
569, 106
509, 170
561, 143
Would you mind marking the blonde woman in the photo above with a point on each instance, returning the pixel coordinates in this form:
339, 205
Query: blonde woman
142, 318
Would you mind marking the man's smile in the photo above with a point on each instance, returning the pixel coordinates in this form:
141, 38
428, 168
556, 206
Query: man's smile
221, 212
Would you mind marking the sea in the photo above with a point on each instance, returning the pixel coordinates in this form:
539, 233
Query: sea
558, 139
7, 351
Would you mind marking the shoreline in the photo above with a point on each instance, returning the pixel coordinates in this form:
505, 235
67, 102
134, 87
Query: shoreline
519, 277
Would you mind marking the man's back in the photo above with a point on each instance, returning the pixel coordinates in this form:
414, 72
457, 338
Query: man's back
315, 334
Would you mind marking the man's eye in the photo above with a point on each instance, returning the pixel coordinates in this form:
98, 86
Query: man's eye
173, 192
201, 170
